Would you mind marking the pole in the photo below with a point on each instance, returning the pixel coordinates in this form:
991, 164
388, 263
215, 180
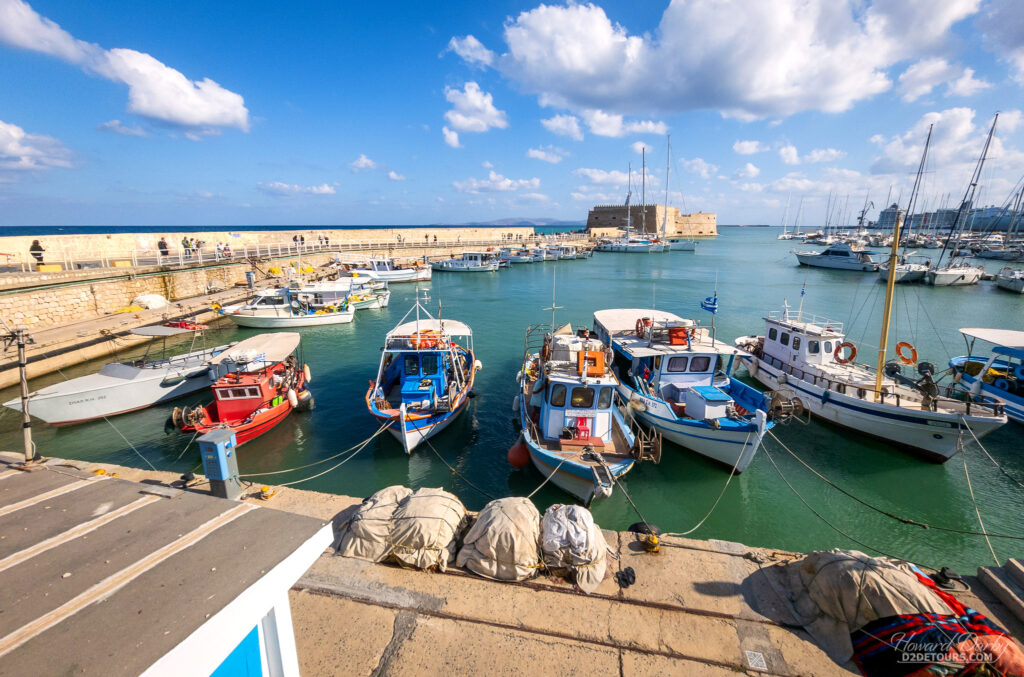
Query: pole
26, 421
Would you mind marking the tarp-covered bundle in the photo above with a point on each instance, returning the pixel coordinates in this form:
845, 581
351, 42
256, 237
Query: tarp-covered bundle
570, 541
502, 543
150, 301
367, 533
425, 529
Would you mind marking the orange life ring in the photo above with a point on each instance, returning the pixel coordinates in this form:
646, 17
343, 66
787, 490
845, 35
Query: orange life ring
427, 338
641, 326
837, 355
900, 347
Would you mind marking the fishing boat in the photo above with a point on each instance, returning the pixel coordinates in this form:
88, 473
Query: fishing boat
840, 256
811, 357
517, 255
307, 306
366, 298
570, 415
997, 377
469, 262
1011, 279
678, 379
120, 387
387, 270
425, 376
264, 383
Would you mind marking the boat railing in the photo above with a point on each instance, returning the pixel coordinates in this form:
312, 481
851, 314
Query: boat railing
806, 318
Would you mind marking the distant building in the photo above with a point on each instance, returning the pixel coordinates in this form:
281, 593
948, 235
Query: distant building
888, 216
603, 219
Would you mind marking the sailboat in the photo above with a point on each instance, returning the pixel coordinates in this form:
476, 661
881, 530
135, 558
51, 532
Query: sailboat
957, 272
629, 243
810, 357
785, 234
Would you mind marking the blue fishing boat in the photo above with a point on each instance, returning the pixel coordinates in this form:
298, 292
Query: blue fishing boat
677, 379
425, 376
570, 414
997, 377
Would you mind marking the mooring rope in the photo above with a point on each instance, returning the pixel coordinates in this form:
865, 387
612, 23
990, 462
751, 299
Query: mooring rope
456, 472
977, 512
322, 460
994, 461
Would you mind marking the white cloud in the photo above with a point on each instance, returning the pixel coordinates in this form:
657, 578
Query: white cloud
362, 162
608, 124
155, 90
451, 138
117, 127
550, 154
285, 189
749, 147
21, 151
745, 59
495, 183
922, 77
395, 176
789, 154
565, 125
473, 110
699, 167
602, 177
471, 51
639, 147
487, 164
966, 84
1002, 24
747, 171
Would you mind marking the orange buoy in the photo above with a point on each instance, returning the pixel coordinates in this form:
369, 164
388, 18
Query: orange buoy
518, 454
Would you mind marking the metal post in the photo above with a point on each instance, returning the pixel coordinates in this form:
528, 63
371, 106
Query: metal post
26, 421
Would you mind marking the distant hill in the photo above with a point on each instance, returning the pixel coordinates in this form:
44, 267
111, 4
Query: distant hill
518, 221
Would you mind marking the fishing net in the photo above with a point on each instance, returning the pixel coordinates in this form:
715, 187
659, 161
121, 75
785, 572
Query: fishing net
502, 543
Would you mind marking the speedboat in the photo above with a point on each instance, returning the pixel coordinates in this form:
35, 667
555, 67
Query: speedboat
998, 377
811, 357
120, 387
469, 262
677, 379
841, 256
388, 271
569, 412
264, 383
1011, 279
425, 377
309, 305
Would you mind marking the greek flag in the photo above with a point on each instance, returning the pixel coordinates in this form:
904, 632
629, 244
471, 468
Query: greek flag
710, 304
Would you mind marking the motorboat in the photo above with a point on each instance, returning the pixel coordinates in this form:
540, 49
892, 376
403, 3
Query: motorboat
570, 415
997, 377
679, 244
120, 387
678, 380
517, 255
306, 306
840, 256
1011, 279
370, 298
425, 376
264, 383
810, 358
469, 262
386, 270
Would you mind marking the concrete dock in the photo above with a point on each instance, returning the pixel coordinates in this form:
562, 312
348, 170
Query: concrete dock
697, 608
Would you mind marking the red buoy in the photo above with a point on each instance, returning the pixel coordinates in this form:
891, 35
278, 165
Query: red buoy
518, 454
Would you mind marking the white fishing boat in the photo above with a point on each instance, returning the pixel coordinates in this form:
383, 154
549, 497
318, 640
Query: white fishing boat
120, 387
677, 380
387, 270
1011, 279
840, 256
996, 377
517, 255
307, 306
469, 262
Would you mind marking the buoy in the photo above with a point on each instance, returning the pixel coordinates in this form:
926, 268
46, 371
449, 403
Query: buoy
515, 404
478, 365
293, 399
305, 373
518, 454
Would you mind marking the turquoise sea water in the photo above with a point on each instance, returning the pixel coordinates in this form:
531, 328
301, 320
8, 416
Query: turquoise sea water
754, 273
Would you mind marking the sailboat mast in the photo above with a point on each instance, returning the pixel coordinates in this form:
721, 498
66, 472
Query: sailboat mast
668, 169
629, 193
785, 214
643, 191
890, 280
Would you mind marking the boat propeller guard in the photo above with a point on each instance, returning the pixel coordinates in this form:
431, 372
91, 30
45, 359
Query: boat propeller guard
786, 407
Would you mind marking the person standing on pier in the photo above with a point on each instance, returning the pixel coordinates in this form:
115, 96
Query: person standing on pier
162, 246
37, 251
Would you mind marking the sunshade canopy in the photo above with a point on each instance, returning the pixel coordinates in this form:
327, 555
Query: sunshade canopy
160, 330
274, 347
450, 327
1001, 337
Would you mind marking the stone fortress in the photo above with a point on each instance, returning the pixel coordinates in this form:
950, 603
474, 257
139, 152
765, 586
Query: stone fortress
605, 220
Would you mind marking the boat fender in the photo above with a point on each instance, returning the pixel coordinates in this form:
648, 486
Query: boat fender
1001, 384
957, 376
478, 365
212, 373
755, 366
519, 376
782, 378
1019, 372
515, 404
826, 395
306, 374
293, 399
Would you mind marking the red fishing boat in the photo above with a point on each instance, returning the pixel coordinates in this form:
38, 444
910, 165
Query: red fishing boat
265, 382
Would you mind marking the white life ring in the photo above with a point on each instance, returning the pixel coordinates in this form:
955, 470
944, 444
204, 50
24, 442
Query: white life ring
305, 373
293, 399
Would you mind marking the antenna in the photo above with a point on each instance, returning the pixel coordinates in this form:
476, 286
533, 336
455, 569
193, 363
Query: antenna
553, 308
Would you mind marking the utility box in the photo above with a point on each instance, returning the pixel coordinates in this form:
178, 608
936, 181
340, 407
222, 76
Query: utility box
704, 402
218, 449
250, 279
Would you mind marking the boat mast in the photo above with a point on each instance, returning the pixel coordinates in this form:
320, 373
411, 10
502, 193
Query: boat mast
668, 169
643, 190
785, 214
890, 281
629, 193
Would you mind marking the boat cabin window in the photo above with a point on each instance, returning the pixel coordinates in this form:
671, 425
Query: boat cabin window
772, 334
270, 301
796, 343
412, 365
678, 363
582, 398
238, 393
784, 339
828, 346
604, 400
813, 347
557, 395
700, 363
429, 365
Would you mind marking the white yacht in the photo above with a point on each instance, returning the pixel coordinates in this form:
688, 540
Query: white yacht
956, 274
841, 256
910, 269
1011, 279
469, 262
309, 305
388, 271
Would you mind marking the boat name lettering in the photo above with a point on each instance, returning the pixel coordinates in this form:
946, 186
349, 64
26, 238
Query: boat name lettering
941, 424
581, 413
88, 399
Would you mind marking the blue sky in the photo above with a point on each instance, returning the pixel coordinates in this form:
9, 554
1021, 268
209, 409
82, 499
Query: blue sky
349, 113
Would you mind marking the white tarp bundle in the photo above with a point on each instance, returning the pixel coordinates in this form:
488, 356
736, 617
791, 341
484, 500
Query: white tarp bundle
366, 534
571, 541
502, 543
425, 529
150, 301
835, 592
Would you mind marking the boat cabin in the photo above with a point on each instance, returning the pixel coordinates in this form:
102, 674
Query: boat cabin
259, 370
842, 250
800, 338
478, 258
239, 394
